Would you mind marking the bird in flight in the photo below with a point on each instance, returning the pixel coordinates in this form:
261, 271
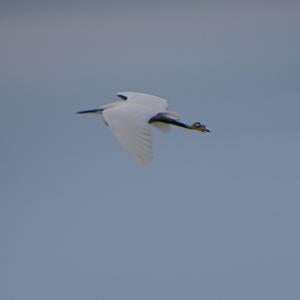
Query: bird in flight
130, 119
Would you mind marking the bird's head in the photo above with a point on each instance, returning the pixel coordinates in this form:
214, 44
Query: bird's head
198, 126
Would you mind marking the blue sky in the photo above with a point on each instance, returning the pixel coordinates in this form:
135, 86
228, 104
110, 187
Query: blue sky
213, 216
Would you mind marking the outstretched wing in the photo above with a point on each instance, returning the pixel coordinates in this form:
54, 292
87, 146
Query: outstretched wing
129, 124
147, 100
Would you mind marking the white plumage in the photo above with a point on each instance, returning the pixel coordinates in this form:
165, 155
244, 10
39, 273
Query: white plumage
130, 121
129, 124
147, 100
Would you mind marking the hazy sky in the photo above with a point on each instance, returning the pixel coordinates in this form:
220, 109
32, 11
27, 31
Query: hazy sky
213, 216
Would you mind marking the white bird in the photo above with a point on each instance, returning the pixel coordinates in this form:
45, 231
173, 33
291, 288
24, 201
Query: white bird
131, 117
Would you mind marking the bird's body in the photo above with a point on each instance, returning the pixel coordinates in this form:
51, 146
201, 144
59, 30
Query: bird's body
130, 121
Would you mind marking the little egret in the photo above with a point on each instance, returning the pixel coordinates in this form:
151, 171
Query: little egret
130, 119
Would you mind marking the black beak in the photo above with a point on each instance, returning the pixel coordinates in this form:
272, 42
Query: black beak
91, 111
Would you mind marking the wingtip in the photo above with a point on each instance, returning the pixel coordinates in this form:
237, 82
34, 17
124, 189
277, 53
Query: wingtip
122, 96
